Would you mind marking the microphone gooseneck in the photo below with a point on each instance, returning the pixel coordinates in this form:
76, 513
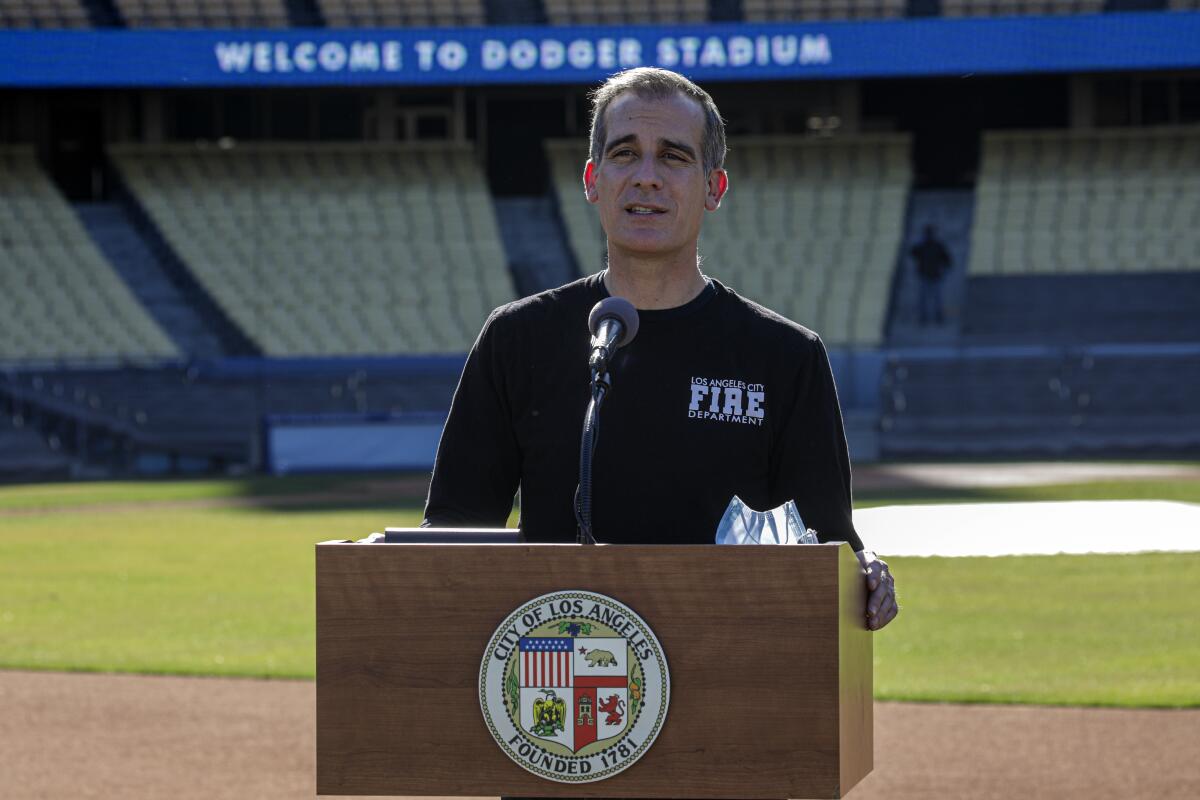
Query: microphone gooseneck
613, 323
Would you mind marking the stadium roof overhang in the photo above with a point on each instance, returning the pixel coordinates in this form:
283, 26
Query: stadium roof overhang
582, 55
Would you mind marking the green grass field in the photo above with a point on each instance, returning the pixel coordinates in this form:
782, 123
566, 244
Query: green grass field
146, 577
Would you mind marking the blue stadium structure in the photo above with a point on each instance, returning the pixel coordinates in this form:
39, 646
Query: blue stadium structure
237, 234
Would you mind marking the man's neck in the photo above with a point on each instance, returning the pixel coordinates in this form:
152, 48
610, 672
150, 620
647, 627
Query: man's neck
651, 285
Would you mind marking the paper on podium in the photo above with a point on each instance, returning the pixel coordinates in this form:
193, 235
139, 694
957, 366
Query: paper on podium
743, 525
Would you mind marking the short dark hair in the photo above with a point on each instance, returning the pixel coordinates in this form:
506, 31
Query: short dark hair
655, 83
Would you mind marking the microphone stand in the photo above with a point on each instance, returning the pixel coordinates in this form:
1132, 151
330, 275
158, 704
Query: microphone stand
591, 431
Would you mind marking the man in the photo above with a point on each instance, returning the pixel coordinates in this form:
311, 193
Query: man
933, 261
715, 396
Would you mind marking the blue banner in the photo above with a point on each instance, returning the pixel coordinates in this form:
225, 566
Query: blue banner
474, 56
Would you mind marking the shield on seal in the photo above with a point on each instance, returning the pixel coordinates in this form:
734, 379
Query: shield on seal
574, 690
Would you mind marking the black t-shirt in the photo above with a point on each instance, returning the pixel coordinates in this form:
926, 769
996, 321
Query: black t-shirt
715, 398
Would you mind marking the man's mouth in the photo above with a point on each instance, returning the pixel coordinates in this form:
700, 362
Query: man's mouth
643, 210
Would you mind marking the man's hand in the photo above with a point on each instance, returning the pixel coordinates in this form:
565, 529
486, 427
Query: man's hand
881, 602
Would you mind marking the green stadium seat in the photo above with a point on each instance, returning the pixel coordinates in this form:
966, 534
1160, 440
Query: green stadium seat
60, 300
342, 246
1111, 200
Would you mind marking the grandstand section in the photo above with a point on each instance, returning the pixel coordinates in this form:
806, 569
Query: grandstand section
168, 296
1079, 309
253, 217
316, 250
811, 227
205, 415
246, 14
625, 12
402, 13
24, 453
786, 10
1005, 8
203, 13
1080, 314
1117, 200
43, 14
59, 299
1041, 401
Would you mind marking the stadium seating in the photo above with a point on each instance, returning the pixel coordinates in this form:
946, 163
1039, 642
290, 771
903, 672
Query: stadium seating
203, 13
25, 453
43, 14
785, 10
1082, 308
317, 250
1007, 8
399, 13
185, 410
810, 227
1116, 200
984, 404
625, 12
59, 298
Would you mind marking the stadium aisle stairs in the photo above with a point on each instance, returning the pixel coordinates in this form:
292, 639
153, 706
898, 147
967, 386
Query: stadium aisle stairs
950, 212
535, 242
305, 14
117, 237
515, 12
103, 13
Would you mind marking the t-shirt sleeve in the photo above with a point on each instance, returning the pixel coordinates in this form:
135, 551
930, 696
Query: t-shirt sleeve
810, 463
478, 463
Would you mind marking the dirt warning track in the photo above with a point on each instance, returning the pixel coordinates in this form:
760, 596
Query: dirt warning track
136, 738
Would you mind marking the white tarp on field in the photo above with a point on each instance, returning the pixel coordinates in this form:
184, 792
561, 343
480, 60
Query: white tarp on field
998, 529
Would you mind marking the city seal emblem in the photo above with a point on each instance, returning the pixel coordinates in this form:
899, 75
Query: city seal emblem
574, 686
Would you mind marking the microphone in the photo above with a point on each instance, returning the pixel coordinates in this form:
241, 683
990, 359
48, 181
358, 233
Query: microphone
613, 322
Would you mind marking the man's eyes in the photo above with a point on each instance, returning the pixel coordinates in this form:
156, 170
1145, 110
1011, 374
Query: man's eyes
627, 152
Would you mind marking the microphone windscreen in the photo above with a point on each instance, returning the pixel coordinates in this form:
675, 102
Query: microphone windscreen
621, 309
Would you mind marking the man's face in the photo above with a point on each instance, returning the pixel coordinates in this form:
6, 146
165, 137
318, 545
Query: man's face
650, 186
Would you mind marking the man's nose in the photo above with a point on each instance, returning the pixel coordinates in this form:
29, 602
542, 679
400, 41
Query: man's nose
647, 174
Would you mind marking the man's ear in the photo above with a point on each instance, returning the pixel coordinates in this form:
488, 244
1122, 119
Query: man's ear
589, 182
718, 184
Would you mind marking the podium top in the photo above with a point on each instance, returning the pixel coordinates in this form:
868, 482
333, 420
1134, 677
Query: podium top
445, 536
466, 536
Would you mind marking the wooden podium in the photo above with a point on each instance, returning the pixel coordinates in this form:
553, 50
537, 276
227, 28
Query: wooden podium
769, 658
